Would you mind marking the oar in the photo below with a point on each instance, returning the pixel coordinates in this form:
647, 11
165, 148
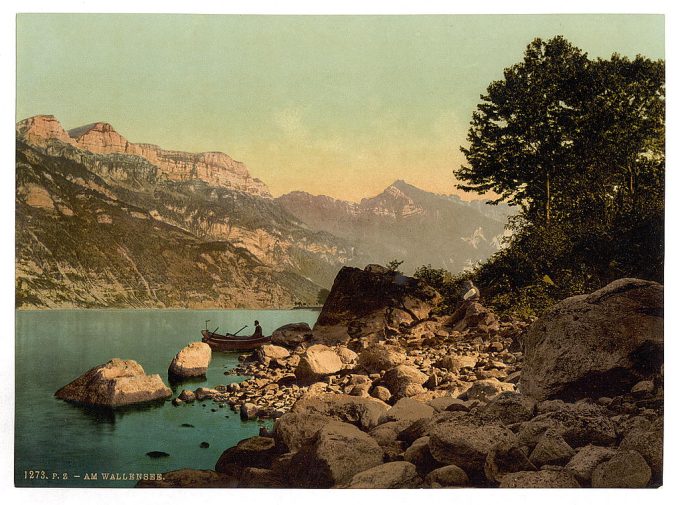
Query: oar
213, 332
239, 331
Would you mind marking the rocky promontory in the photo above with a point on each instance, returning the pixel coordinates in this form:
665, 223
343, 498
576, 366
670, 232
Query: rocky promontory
389, 395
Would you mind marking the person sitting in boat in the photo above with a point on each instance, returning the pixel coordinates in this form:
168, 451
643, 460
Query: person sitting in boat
258, 329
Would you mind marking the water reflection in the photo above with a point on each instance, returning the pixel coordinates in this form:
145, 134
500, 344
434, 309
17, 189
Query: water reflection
101, 415
177, 383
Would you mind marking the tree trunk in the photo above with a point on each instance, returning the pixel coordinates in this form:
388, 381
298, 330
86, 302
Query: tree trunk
547, 199
631, 179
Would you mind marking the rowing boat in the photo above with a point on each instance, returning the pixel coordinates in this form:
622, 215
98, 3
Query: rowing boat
229, 342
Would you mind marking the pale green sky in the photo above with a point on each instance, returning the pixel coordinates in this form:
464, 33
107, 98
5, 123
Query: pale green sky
340, 105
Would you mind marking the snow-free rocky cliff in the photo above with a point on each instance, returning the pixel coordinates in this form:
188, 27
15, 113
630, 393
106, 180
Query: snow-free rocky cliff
105, 222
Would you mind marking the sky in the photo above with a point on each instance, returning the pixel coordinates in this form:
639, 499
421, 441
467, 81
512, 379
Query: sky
335, 105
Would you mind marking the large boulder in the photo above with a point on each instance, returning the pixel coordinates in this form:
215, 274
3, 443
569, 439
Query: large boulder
347, 356
626, 469
393, 475
293, 430
466, 442
317, 362
255, 451
486, 389
191, 361
456, 362
447, 476
361, 301
551, 449
268, 352
336, 453
596, 345
376, 358
404, 381
477, 317
259, 478
386, 435
291, 335
586, 460
649, 443
509, 408
578, 424
115, 384
506, 456
362, 412
407, 410
309, 415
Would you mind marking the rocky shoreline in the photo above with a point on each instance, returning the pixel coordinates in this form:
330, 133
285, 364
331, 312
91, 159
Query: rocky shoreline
383, 393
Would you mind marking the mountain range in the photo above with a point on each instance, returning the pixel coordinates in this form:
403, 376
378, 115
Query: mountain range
407, 224
104, 222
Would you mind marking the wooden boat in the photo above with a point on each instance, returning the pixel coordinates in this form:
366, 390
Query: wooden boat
229, 342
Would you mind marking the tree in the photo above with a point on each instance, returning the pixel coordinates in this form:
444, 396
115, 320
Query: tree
578, 145
521, 135
393, 266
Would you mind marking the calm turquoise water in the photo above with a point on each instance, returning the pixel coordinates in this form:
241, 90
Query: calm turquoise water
55, 347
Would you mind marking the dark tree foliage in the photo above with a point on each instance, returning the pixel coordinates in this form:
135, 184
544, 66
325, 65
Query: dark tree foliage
450, 286
578, 145
322, 296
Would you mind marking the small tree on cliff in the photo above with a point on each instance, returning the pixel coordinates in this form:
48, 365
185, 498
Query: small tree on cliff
393, 266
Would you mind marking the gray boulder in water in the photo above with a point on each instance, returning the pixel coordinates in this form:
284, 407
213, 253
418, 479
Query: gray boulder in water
115, 384
192, 361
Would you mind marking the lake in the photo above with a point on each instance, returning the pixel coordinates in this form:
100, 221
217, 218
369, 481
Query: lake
55, 437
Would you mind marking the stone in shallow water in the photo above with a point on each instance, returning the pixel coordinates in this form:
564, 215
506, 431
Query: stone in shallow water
192, 361
115, 384
157, 454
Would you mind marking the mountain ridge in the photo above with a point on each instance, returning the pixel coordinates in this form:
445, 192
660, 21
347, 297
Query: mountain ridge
100, 137
113, 230
103, 222
407, 223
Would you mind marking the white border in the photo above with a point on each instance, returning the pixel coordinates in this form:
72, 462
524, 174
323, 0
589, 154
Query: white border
49, 496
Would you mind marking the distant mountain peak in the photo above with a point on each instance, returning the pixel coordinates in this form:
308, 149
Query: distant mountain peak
99, 126
402, 185
40, 129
